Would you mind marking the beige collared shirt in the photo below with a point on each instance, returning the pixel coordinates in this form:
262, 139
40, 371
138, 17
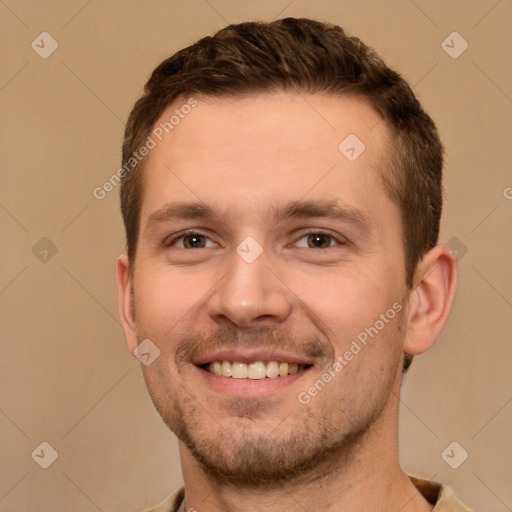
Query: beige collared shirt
435, 493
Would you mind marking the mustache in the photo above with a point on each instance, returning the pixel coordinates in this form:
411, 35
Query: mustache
194, 346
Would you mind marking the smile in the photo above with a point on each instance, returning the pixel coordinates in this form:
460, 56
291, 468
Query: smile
254, 370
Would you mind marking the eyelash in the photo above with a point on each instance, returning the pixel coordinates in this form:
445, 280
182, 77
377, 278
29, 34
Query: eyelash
339, 240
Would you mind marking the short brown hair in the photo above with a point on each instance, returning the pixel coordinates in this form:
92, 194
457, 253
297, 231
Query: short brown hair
304, 56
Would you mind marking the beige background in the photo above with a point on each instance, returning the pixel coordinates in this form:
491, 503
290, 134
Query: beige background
65, 373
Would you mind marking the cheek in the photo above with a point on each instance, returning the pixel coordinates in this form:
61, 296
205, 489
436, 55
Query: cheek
345, 301
165, 301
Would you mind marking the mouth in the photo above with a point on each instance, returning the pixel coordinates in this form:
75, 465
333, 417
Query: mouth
255, 370
252, 373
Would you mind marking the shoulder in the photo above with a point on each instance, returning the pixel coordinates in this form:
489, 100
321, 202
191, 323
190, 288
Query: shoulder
171, 503
440, 495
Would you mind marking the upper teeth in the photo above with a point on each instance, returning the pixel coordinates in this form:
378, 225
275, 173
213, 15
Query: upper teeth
255, 370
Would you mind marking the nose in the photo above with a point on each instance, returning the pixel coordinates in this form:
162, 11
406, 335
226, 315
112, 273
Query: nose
250, 294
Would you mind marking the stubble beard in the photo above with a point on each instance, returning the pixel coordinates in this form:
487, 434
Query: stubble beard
252, 456
319, 442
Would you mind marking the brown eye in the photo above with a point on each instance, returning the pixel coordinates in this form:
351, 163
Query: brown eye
318, 240
190, 241
193, 241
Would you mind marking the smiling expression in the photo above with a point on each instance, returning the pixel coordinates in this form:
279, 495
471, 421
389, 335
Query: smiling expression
263, 252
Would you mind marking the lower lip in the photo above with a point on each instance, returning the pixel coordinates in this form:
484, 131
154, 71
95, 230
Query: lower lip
249, 388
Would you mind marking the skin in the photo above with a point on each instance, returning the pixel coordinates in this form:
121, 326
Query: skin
267, 450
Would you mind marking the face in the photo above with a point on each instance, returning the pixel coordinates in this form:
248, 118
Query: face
270, 274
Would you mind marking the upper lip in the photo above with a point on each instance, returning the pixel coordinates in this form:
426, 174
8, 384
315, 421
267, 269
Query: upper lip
248, 355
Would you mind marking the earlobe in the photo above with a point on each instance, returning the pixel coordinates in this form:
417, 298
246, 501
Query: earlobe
126, 301
431, 299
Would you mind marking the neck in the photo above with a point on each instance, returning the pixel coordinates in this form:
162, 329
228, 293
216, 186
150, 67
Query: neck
370, 478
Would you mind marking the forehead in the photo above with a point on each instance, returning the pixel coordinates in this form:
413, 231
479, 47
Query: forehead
266, 146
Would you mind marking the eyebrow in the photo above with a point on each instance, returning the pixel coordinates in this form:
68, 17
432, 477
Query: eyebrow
333, 209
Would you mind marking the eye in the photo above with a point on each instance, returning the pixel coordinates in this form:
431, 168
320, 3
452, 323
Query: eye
196, 240
189, 240
319, 240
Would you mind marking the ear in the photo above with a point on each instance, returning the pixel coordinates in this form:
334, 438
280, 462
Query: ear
126, 306
431, 299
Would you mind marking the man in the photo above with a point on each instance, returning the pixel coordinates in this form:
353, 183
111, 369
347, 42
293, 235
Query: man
281, 193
